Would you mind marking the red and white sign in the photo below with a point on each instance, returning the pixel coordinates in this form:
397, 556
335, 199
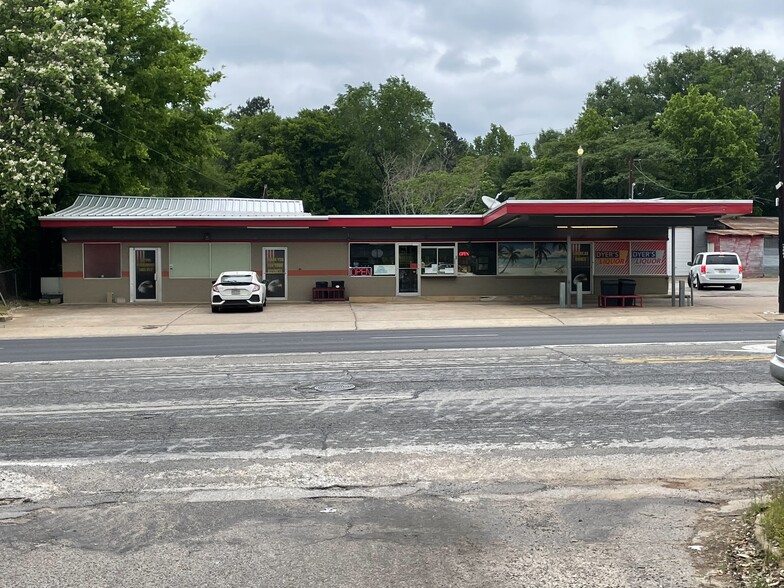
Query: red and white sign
648, 258
611, 258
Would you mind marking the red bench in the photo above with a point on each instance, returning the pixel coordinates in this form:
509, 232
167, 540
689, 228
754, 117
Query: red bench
328, 294
623, 299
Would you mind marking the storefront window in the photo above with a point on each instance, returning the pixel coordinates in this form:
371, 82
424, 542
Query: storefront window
477, 259
101, 260
371, 259
438, 259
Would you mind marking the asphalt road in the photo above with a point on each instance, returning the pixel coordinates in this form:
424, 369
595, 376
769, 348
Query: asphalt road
545, 465
19, 350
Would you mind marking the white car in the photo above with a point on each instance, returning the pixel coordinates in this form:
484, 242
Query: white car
239, 289
777, 362
716, 268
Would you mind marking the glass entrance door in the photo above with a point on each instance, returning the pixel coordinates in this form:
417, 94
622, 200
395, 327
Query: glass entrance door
581, 266
408, 269
145, 274
275, 271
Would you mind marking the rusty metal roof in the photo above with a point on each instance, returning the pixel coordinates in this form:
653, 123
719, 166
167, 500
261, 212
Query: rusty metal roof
748, 226
90, 206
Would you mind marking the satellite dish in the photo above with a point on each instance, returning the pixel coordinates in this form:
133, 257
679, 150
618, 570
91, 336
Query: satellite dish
491, 203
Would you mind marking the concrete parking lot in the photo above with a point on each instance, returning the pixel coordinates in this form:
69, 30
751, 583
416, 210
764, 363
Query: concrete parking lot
756, 302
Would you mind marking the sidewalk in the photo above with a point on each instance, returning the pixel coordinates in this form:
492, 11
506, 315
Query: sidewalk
757, 302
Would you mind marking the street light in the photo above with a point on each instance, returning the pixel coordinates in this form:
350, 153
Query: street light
580, 171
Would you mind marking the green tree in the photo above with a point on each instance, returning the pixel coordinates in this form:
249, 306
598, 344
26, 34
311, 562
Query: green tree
388, 132
445, 192
738, 76
496, 142
717, 144
317, 146
448, 148
156, 137
52, 64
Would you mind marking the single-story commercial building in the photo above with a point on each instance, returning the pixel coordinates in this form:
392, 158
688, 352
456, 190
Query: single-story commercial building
141, 249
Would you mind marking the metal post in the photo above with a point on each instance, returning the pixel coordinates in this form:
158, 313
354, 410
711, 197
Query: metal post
780, 197
672, 263
579, 294
562, 294
681, 293
579, 172
569, 267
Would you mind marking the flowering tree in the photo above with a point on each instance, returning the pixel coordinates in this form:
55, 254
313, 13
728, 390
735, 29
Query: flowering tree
52, 64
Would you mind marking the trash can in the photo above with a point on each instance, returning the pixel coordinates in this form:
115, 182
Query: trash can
626, 288
610, 288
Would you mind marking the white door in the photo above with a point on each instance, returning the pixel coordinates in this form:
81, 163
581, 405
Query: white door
683, 250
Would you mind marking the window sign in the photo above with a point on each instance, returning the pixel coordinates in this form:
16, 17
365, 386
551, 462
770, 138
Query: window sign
384, 270
532, 258
611, 258
648, 258
516, 259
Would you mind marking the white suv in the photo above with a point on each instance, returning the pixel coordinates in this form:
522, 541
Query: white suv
716, 268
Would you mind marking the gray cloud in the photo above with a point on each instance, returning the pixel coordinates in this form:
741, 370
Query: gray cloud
526, 65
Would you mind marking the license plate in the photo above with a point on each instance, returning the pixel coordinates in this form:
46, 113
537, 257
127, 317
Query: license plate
721, 271
235, 292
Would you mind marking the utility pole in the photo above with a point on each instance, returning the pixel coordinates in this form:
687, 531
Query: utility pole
780, 197
631, 178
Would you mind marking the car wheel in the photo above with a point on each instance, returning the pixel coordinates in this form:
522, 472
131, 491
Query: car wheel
260, 308
738, 286
215, 309
698, 283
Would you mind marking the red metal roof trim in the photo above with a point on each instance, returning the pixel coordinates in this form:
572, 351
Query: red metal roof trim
572, 208
620, 208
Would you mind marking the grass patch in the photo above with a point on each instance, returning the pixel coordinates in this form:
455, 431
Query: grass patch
755, 556
772, 519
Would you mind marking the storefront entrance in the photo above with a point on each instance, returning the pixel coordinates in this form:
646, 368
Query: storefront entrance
275, 271
581, 266
145, 274
407, 264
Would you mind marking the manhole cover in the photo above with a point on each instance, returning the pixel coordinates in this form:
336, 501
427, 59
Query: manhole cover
334, 387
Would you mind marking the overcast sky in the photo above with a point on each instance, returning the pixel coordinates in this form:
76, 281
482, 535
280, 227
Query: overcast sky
526, 65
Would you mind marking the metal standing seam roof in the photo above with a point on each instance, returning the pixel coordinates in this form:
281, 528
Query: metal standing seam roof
89, 206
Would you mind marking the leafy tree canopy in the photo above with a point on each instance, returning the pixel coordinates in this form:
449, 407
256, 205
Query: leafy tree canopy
53, 63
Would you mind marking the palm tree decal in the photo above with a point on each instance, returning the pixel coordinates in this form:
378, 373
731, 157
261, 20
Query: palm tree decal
510, 253
541, 253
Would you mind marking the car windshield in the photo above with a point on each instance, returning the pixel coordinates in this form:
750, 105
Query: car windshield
721, 260
237, 280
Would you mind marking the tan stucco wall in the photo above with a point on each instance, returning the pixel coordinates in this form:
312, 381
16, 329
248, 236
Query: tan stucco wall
309, 263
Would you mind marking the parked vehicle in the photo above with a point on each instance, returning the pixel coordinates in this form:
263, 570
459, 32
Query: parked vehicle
716, 268
777, 362
239, 289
